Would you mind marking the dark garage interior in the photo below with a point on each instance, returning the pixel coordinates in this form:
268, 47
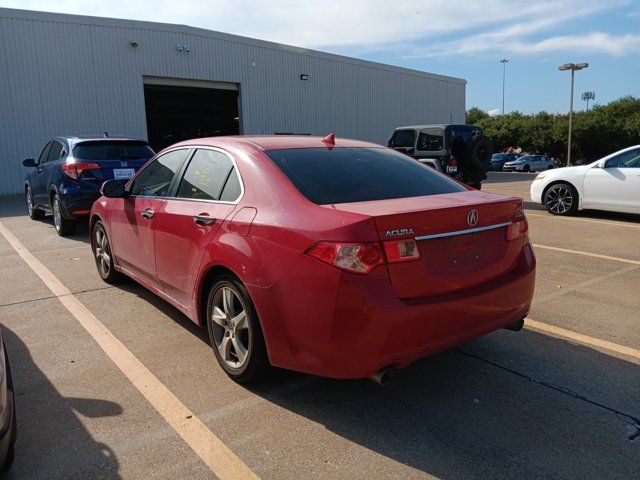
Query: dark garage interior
176, 113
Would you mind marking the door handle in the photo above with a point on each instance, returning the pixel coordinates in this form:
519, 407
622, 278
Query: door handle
203, 219
148, 213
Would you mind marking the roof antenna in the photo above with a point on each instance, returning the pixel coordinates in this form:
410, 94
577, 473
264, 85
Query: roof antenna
329, 141
105, 134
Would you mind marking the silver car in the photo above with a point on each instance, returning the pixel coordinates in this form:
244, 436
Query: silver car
529, 163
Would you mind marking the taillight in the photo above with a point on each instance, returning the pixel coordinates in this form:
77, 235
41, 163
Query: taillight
517, 229
352, 257
364, 257
401, 250
453, 163
75, 169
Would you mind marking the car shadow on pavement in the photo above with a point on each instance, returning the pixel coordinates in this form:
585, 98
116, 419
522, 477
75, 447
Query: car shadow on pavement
51, 437
14, 208
165, 307
494, 408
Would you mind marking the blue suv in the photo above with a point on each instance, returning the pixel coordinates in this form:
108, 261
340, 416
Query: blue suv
66, 178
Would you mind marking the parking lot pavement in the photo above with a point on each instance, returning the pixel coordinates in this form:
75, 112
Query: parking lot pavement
528, 404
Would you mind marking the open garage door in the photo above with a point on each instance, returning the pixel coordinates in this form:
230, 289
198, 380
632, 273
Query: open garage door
181, 109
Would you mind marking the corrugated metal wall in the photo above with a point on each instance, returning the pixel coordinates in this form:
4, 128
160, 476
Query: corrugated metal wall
75, 75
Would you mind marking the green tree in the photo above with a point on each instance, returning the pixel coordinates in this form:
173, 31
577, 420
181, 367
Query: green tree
599, 132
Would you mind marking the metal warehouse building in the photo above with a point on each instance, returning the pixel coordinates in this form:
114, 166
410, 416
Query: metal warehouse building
76, 75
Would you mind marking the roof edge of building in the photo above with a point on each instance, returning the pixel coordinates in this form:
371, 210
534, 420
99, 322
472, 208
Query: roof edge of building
13, 13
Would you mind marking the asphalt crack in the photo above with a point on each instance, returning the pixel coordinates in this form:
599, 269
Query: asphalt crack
633, 427
39, 299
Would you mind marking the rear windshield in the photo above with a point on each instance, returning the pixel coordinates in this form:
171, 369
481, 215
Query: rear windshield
112, 150
345, 175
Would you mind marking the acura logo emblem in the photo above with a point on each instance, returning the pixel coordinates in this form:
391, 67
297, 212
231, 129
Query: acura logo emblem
472, 217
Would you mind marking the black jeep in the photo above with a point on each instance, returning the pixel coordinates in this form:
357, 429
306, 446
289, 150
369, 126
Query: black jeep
461, 151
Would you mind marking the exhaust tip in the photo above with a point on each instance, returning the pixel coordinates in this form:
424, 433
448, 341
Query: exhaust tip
383, 376
517, 325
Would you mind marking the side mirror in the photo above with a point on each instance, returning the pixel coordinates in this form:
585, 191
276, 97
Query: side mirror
114, 189
29, 162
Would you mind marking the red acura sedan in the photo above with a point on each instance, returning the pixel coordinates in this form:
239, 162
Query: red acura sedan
339, 258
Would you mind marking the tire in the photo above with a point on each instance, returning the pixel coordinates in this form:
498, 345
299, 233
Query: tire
478, 153
34, 212
550, 167
63, 226
561, 199
9, 459
234, 331
526, 169
102, 254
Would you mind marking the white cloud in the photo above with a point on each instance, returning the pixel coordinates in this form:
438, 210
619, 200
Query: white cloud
595, 42
501, 26
494, 112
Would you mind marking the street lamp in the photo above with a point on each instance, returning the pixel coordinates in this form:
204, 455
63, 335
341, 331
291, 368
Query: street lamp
586, 96
504, 62
573, 67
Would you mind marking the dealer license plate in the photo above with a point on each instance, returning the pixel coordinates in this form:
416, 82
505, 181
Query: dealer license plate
123, 173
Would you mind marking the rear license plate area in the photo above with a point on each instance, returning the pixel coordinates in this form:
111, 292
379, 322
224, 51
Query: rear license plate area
123, 173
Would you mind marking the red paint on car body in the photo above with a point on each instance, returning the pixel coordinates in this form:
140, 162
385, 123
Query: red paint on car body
317, 317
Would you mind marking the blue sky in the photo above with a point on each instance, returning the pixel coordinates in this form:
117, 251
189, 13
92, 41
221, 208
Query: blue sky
451, 37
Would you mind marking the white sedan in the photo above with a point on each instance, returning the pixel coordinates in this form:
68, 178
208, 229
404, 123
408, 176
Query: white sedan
611, 183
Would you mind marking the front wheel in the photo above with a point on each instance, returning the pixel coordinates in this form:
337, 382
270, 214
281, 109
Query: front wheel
561, 199
63, 226
34, 213
102, 254
234, 331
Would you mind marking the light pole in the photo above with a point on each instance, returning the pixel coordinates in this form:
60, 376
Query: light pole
504, 62
586, 96
573, 67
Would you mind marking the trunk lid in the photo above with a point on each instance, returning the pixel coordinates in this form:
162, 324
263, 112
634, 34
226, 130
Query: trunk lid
456, 252
117, 158
112, 169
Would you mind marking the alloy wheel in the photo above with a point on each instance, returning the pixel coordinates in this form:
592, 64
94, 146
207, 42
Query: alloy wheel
57, 215
102, 252
559, 199
29, 202
231, 327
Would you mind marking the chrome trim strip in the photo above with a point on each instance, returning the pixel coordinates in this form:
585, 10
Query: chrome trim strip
463, 232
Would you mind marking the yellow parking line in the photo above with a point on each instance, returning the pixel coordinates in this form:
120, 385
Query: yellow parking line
588, 254
501, 192
632, 353
217, 456
588, 220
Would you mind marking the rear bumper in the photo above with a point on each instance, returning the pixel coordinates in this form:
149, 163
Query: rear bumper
77, 201
7, 414
324, 322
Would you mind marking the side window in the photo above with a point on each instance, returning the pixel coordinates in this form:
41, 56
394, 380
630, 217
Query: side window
231, 190
55, 152
404, 139
206, 176
630, 159
45, 153
430, 140
155, 179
